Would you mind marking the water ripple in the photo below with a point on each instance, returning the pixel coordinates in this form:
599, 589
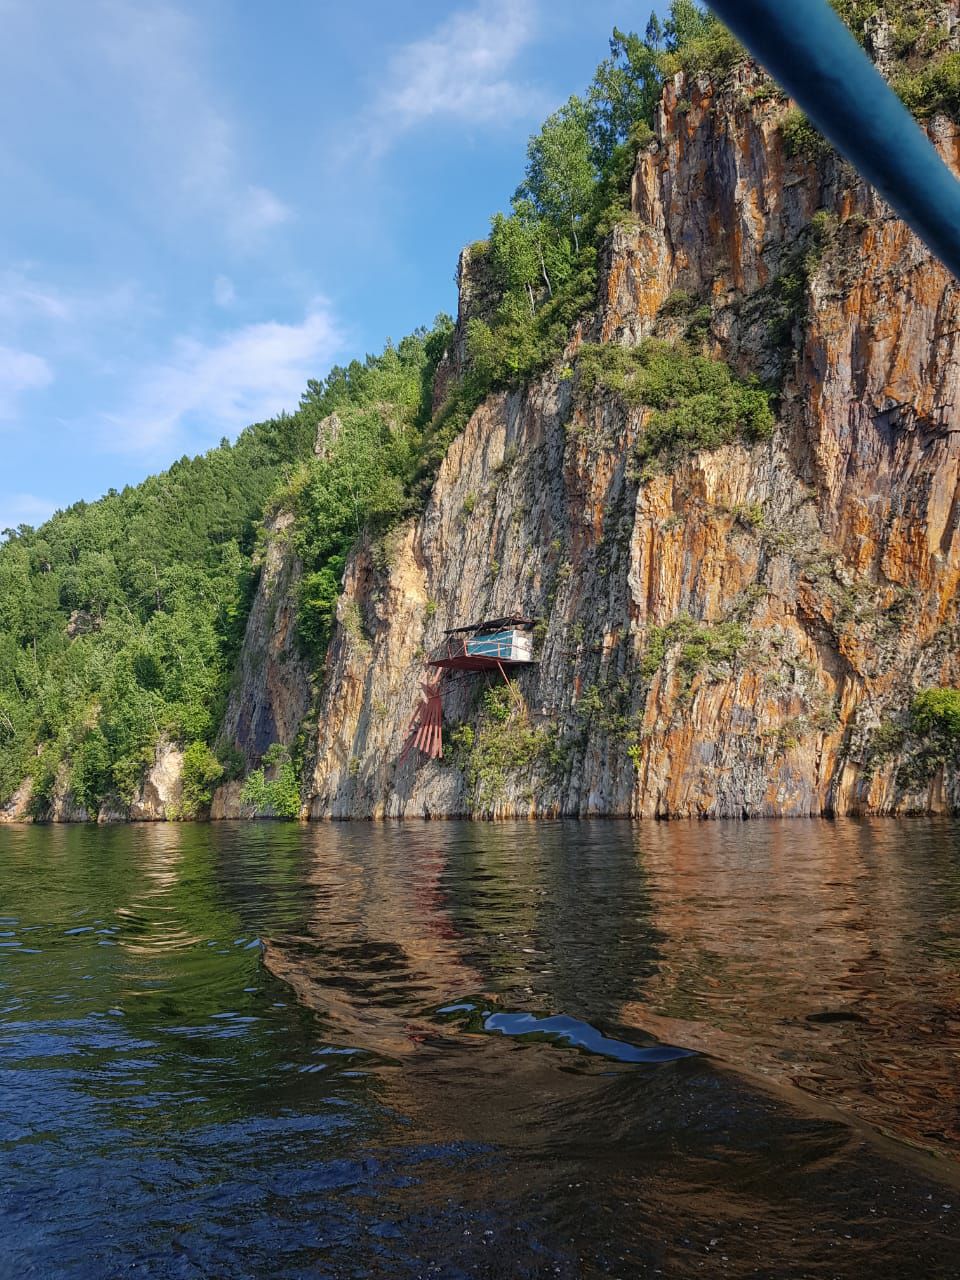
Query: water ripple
454, 1049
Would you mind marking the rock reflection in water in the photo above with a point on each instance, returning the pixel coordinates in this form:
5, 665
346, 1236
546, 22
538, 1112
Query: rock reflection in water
824, 956
472, 1080
380, 948
636, 1167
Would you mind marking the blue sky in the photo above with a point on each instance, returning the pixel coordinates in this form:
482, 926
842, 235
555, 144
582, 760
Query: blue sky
208, 202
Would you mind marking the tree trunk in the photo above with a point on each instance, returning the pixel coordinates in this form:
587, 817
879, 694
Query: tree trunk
543, 268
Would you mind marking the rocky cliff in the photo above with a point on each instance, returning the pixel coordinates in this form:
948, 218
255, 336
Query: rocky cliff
738, 633
728, 632
271, 690
157, 798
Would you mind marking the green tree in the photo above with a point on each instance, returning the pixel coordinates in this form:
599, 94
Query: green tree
624, 93
560, 177
273, 791
90, 777
687, 23
317, 605
936, 712
515, 255
201, 773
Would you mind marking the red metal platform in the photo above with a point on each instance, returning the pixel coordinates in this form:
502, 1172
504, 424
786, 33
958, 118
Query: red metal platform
486, 646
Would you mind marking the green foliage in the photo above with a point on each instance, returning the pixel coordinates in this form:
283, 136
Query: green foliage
91, 773
749, 514
933, 89
801, 138
933, 740
605, 707
681, 302
702, 646
120, 619
697, 42
926, 75
544, 253
504, 748
317, 599
886, 740
273, 790
624, 93
516, 250
785, 300
561, 172
363, 481
698, 403
857, 13
201, 773
912, 23
935, 713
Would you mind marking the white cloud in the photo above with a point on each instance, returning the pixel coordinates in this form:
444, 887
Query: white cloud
22, 298
259, 211
24, 508
28, 300
135, 85
206, 390
459, 71
20, 371
155, 50
224, 294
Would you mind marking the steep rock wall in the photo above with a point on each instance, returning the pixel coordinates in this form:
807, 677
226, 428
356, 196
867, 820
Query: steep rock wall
271, 689
156, 799
833, 546
17, 808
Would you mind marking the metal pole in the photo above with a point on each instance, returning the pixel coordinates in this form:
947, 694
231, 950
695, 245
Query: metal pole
805, 46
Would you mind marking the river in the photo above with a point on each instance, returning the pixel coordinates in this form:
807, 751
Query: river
471, 1050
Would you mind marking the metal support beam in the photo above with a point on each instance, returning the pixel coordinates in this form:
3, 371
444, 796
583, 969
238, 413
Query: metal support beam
805, 46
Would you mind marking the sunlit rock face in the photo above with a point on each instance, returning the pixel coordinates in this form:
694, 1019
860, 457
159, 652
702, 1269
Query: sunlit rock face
271, 688
157, 798
17, 808
799, 591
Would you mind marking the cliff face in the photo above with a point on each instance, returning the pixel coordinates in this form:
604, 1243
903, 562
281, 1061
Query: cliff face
731, 633
736, 634
156, 799
271, 688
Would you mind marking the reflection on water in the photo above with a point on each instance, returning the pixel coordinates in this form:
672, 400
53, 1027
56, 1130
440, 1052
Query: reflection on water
825, 957
464, 1050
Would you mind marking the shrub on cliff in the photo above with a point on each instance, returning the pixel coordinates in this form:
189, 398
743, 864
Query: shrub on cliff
929, 741
697, 402
933, 89
91, 772
277, 795
913, 24
504, 749
801, 137
701, 646
935, 713
201, 773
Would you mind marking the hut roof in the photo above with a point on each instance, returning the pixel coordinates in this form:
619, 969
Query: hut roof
515, 620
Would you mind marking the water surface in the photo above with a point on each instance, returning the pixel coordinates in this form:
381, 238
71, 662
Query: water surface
565, 1049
